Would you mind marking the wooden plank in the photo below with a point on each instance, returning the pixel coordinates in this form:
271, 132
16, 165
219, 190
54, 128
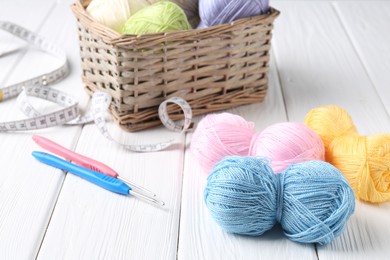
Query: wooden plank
367, 24
31, 16
318, 65
28, 189
200, 236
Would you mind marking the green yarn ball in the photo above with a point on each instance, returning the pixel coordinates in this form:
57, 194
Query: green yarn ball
163, 16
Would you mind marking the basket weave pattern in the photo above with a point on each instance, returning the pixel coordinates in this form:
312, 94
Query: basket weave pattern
212, 69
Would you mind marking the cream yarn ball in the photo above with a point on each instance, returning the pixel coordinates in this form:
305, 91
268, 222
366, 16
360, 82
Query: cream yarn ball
114, 13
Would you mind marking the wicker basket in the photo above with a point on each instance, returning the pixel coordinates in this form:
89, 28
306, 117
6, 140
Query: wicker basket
212, 69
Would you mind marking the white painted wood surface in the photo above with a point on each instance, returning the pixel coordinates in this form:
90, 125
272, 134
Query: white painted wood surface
28, 191
319, 64
324, 52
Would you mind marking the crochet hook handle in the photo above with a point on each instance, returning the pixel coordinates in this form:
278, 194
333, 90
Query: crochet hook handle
75, 157
97, 178
84, 161
104, 181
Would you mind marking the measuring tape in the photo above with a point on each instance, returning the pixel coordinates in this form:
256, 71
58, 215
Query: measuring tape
70, 114
42, 80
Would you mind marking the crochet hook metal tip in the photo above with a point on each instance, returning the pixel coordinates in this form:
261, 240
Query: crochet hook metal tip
147, 198
136, 186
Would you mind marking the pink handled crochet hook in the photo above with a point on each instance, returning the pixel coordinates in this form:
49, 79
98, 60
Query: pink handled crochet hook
84, 161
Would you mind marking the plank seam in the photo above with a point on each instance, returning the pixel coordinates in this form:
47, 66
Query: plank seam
357, 52
279, 82
181, 193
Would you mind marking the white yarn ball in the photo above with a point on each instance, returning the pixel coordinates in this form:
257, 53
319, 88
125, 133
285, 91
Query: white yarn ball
114, 13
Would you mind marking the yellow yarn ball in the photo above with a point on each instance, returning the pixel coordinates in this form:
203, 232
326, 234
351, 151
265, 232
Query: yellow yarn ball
364, 160
114, 13
163, 16
330, 122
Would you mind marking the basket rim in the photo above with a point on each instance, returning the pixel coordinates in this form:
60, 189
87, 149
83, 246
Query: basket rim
110, 36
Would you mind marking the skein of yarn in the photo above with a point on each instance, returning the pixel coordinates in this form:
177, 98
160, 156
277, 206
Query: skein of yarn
330, 122
219, 135
364, 160
214, 12
114, 13
312, 201
190, 7
287, 143
225, 134
163, 16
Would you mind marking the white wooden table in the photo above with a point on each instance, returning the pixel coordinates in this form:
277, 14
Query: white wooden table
323, 52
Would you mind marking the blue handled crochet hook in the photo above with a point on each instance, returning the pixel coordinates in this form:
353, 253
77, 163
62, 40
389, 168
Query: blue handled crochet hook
84, 161
102, 180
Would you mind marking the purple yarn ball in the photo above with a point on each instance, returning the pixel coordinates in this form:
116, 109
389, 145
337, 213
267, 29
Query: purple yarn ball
214, 12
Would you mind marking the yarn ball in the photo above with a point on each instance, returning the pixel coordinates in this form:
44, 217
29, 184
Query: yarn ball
225, 134
364, 160
163, 16
330, 122
312, 200
190, 7
214, 12
287, 143
114, 13
220, 135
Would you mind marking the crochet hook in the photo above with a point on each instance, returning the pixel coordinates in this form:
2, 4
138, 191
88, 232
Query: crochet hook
105, 181
85, 161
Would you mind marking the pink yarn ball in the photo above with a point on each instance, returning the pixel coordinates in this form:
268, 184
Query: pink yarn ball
220, 135
287, 143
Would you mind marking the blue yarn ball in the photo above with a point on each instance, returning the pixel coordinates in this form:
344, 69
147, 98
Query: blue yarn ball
312, 200
214, 12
